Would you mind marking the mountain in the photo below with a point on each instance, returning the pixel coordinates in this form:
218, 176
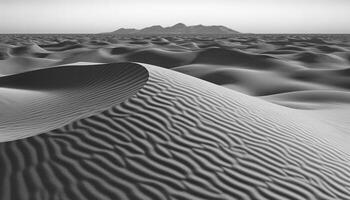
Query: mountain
126, 31
179, 28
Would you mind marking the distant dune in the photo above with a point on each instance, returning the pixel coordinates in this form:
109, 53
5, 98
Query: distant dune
174, 117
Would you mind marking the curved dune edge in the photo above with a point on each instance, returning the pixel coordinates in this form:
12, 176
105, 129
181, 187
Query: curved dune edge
42, 100
180, 138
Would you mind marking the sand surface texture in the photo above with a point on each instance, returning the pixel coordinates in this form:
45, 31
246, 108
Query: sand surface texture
278, 129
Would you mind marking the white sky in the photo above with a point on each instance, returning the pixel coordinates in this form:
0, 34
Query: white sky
248, 16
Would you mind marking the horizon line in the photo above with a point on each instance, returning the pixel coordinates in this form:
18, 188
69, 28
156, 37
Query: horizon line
111, 33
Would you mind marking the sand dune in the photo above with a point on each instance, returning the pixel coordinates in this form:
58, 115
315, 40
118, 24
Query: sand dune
257, 65
111, 128
250, 81
178, 137
14, 65
33, 50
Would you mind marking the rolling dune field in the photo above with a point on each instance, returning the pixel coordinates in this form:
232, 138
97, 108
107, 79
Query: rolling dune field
175, 117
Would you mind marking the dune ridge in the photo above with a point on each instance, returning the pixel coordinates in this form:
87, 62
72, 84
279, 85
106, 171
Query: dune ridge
179, 138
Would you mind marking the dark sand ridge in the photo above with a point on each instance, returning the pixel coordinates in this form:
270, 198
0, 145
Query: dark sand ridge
178, 138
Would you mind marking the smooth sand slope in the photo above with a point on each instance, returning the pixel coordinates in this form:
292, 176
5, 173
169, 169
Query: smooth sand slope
171, 136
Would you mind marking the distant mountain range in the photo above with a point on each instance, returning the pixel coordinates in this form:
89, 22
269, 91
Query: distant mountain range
179, 28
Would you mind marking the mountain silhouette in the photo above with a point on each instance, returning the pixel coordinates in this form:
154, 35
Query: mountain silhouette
179, 28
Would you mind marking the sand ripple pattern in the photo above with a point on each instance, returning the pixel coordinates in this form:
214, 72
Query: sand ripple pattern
178, 138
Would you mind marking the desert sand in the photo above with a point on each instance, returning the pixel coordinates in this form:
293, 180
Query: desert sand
174, 117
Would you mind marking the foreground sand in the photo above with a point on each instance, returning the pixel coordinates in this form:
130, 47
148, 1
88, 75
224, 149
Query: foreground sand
138, 131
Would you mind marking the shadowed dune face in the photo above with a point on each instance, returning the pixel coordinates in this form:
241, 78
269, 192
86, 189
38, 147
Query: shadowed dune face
38, 101
178, 137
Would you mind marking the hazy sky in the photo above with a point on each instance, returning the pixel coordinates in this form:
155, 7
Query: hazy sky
253, 16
